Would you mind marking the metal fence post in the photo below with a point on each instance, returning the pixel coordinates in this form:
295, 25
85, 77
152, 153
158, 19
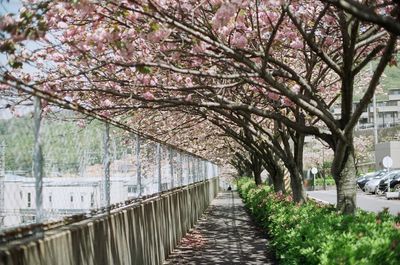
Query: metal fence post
2, 175
171, 166
105, 193
198, 168
2, 159
199, 171
188, 169
180, 169
205, 170
38, 160
138, 167
158, 158
194, 171
213, 170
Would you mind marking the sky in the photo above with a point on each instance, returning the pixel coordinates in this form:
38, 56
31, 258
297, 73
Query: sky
9, 6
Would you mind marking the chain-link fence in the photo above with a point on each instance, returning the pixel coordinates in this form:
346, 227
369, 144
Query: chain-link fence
74, 166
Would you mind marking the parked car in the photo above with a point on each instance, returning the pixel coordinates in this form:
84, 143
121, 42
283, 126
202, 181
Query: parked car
394, 182
372, 186
361, 181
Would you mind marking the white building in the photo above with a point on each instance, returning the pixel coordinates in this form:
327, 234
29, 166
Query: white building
61, 197
80, 193
387, 111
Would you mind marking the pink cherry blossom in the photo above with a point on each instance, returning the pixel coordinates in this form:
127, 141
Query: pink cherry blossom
62, 25
297, 44
273, 96
296, 88
223, 15
6, 21
148, 96
188, 97
239, 40
158, 35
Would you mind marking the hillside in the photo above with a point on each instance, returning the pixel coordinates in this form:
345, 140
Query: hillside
65, 145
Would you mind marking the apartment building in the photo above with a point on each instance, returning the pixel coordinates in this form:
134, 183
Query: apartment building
387, 112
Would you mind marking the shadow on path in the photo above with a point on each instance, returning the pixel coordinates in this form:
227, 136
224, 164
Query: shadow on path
225, 234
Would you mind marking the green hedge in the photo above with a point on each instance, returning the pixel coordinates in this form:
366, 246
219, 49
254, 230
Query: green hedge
329, 181
316, 234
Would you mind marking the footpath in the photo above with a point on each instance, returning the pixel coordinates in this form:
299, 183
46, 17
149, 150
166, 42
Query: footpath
225, 234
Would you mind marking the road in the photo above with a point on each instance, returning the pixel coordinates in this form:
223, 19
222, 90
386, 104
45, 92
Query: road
371, 203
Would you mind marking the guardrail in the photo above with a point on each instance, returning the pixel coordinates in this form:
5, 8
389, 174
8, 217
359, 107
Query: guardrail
144, 232
83, 168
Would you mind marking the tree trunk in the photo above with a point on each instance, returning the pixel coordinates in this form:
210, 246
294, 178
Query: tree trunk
278, 182
257, 178
296, 183
294, 163
276, 173
299, 195
344, 173
256, 168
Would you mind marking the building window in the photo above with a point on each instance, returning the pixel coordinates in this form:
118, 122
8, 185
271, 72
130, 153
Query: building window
20, 194
132, 189
72, 198
50, 198
29, 200
92, 199
82, 198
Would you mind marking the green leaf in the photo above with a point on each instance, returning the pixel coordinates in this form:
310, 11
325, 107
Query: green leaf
154, 26
8, 47
144, 69
15, 64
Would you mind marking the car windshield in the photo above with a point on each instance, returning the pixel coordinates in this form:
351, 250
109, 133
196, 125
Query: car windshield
391, 175
381, 173
370, 175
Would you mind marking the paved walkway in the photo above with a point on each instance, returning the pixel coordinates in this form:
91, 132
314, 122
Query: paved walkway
224, 235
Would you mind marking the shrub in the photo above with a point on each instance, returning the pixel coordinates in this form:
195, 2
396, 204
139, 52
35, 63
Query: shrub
329, 181
317, 234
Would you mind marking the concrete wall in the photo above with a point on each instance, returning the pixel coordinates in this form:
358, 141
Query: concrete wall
391, 149
139, 234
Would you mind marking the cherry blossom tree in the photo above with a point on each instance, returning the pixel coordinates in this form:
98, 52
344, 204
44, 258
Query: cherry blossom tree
229, 55
382, 13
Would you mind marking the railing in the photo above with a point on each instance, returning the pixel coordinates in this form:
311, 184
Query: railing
142, 232
83, 166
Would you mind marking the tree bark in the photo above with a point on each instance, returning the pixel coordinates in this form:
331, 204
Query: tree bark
294, 163
276, 173
278, 182
257, 178
256, 168
296, 183
344, 173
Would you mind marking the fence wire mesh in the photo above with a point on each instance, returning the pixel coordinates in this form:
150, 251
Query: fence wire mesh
86, 165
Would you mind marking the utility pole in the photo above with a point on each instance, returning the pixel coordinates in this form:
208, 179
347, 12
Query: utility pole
374, 111
375, 122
